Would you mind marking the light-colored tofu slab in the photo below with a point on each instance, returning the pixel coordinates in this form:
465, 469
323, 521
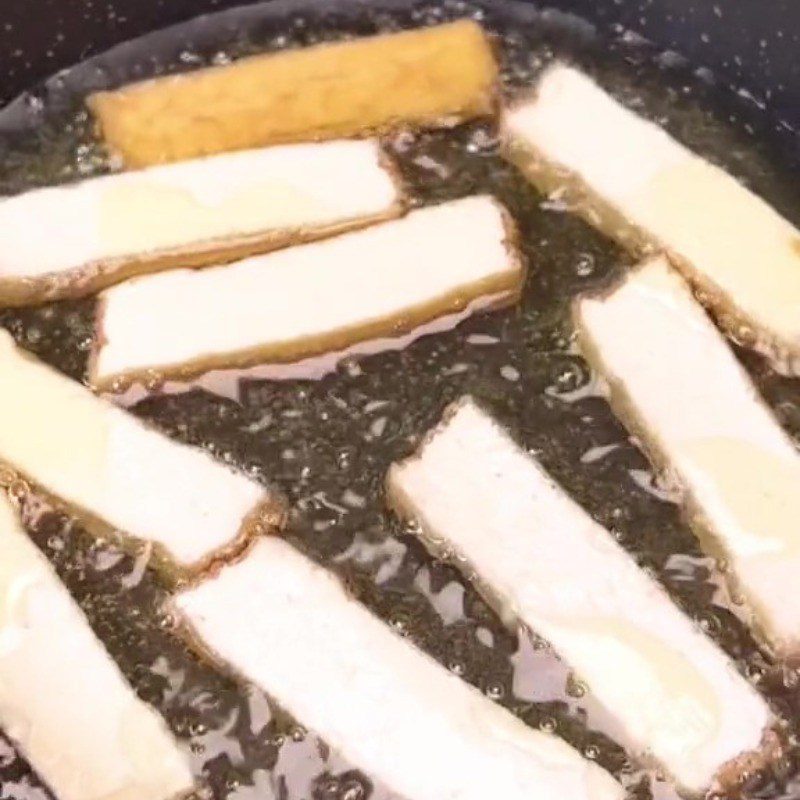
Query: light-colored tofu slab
678, 385
63, 701
305, 301
631, 179
72, 240
431, 76
545, 563
118, 474
287, 625
228, 383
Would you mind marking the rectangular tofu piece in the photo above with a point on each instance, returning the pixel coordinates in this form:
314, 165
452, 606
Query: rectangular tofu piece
63, 701
431, 76
628, 177
287, 625
231, 383
679, 387
69, 241
118, 474
309, 300
545, 563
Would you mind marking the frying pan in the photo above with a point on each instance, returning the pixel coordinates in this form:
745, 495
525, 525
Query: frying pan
751, 43
747, 45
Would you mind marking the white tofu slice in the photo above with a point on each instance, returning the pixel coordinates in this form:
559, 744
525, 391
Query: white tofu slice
286, 624
308, 300
631, 179
69, 241
228, 382
63, 701
546, 563
116, 472
678, 385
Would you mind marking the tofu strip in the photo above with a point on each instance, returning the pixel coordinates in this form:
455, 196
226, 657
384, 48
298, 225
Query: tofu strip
229, 383
309, 300
679, 387
117, 473
72, 240
63, 701
431, 76
544, 562
287, 625
628, 177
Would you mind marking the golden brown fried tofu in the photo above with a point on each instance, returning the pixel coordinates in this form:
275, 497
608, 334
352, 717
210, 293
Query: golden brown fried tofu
432, 76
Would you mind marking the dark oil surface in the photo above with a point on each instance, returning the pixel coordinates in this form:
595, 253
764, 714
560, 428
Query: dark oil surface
327, 444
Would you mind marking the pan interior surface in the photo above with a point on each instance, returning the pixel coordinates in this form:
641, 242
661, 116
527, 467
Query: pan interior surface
327, 444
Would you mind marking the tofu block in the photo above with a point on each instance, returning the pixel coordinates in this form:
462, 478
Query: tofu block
69, 241
546, 564
309, 300
287, 625
228, 383
679, 387
120, 475
63, 701
426, 77
628, 177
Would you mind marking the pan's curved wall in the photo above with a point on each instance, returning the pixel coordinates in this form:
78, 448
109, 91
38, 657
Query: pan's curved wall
752, 43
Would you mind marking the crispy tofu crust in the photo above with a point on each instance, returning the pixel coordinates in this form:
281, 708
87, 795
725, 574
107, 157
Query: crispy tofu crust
506, 286
735, 773
426, 77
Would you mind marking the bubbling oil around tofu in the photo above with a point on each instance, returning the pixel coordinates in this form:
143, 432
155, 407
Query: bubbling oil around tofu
327, 444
